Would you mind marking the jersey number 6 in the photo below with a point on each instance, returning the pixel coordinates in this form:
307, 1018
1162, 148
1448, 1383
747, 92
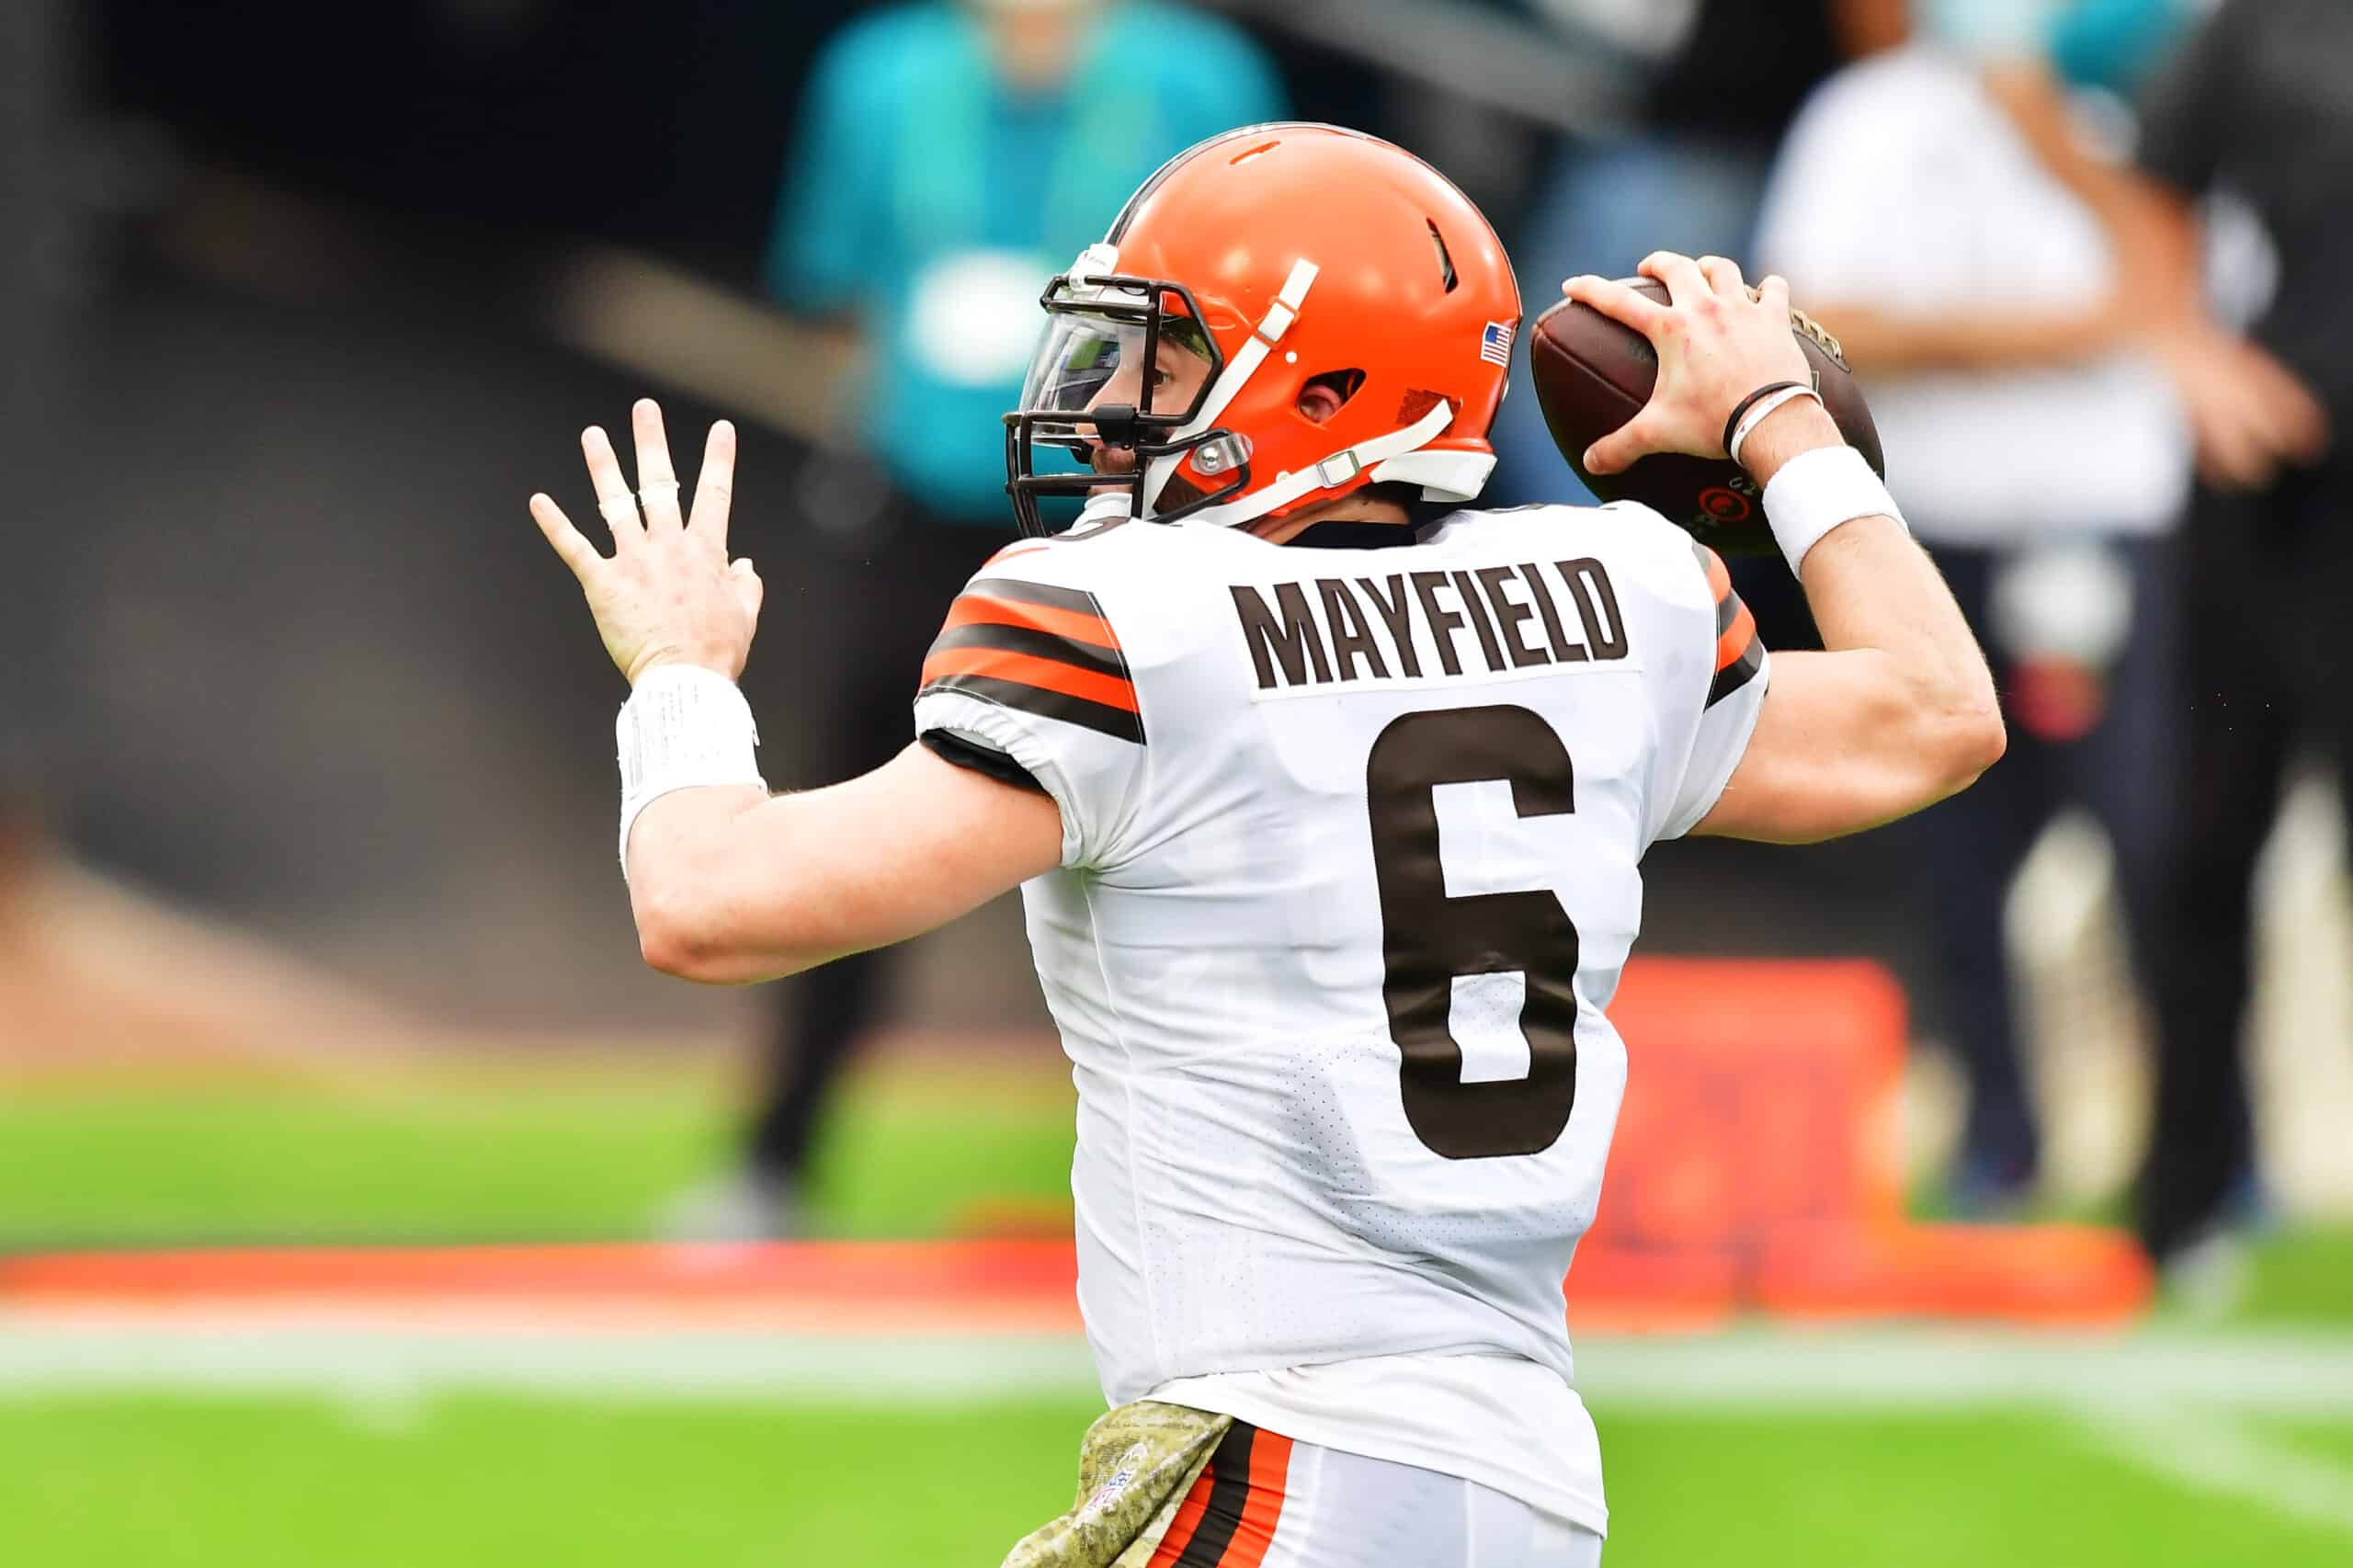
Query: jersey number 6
1428, 938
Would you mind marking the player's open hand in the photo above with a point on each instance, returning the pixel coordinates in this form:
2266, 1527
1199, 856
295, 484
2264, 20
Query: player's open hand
1716, 341
667, 593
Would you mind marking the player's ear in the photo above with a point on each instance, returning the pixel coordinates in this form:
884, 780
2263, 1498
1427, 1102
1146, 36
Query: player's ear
1327, 394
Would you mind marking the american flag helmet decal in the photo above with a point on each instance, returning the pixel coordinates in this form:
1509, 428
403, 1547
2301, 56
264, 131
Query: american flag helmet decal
1495, 344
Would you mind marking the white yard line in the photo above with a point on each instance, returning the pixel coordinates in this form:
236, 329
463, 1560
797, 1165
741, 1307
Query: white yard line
64, 1356
1885, 1369
2167, 1402
1906, 1369
2216, 1454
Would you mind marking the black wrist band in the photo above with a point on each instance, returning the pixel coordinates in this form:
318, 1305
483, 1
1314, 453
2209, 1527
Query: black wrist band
1744, 405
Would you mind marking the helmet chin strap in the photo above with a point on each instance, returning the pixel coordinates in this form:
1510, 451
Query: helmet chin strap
1443, 476
1379, 454
1395, 456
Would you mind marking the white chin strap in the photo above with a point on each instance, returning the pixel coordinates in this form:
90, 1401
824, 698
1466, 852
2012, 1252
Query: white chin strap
1443, 476
1393, 458
1379, 455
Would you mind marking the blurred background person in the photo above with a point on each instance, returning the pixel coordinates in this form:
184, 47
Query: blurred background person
1938, 206
2254, 113
37, 590
1722, 79
950, 158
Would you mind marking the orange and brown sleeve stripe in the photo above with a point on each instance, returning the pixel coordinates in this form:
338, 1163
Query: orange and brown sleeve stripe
1229, 1518
1040, 648
1740, 653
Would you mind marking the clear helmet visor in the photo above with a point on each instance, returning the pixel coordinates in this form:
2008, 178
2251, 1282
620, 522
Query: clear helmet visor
1086, 361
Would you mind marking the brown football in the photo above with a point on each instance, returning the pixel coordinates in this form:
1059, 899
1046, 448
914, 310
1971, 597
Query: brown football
1592, 375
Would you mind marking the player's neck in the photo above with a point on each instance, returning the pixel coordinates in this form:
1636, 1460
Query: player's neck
1342, 508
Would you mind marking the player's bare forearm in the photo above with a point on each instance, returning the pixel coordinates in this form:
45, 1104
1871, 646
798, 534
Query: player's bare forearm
730, 885
1895, 714
727, 884
676, 863
1900, 711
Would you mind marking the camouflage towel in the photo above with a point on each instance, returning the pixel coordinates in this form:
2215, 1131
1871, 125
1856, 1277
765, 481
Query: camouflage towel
1134, 1468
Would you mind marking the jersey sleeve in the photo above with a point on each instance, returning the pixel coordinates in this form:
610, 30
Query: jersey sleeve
1033, 669
1738, 675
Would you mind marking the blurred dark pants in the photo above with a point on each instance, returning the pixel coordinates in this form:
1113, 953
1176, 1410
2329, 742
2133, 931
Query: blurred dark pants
2267, 605
1968, 850
891, 582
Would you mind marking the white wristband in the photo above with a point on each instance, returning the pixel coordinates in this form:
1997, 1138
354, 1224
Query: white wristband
682, 728
1816, 491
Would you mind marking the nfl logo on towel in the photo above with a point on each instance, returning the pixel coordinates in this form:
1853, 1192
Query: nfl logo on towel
1495, 344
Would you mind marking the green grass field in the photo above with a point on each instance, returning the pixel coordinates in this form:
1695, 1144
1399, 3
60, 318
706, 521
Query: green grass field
161, 1483
527, 1151
556, 1151
113, 1476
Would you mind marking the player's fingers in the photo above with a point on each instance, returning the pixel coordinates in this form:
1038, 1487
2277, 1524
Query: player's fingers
1685, 285
715, 487
657, 484
1626, 306
749, 590
1773, 293
571, 547
614, 502
1618, 451
1724, 276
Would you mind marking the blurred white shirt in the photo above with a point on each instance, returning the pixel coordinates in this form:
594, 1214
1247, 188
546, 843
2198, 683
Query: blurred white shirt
1904, 186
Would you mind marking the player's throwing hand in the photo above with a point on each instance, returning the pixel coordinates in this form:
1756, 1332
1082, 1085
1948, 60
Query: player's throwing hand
1716, 341
667, 595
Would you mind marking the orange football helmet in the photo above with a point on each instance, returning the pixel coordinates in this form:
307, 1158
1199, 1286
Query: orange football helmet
1282, 254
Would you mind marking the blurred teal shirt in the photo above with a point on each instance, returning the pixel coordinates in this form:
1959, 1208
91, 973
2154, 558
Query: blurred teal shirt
932, 203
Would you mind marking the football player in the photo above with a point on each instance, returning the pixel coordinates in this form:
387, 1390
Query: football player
1328, 816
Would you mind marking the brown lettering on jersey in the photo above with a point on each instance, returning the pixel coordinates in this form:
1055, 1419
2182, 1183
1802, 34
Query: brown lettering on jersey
1295, 642
1318, 632
1564, 650
1509, 614
1596, 602
1479, 621
1351, 637
1397, 614
1444, 623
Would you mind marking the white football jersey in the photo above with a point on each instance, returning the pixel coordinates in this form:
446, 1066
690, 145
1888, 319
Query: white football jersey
1351, 851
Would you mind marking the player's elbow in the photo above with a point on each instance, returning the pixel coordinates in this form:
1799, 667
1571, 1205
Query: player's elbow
674, 937
694, 935
1971, 738
1987, 739
683, 935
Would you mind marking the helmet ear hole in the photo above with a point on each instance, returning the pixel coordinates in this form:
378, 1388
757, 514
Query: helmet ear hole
1322, 396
